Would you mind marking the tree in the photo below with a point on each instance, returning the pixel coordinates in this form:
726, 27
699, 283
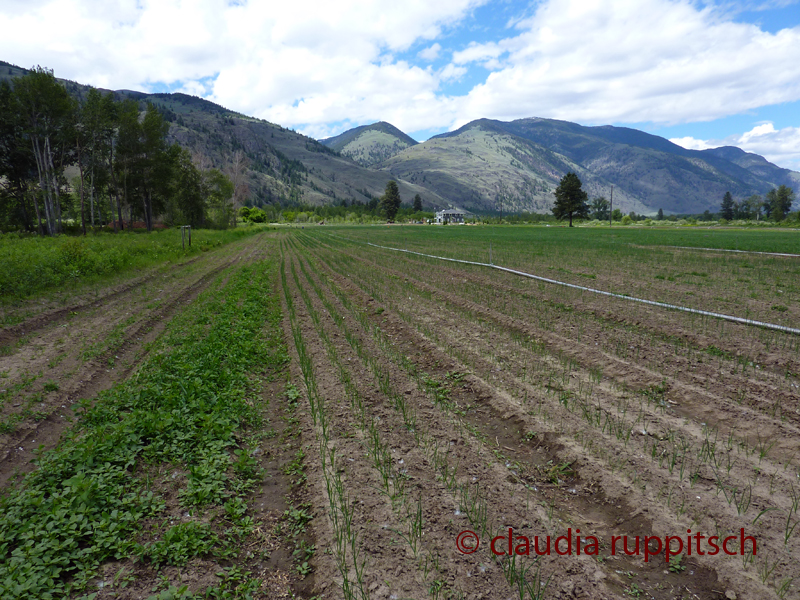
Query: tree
128, 147
220, 191
390, 202
616, 214
236, 172
660, 216
187, 205
600, 207
17, 166
417, 203
779, 202
571, 200
751, 208
47, 110
726, 209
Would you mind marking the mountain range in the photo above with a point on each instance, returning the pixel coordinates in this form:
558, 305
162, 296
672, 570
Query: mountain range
486, 165
516, 166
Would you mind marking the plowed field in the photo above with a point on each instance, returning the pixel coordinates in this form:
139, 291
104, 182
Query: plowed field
448, 398
327, 413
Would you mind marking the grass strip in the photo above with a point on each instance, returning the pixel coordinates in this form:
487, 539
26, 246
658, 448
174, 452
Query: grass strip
36, 264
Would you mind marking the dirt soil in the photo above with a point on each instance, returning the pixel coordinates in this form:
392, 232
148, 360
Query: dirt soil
565, 411
437, 401
64, 355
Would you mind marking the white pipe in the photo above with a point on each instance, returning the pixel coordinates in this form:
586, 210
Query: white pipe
726, 250
611, 294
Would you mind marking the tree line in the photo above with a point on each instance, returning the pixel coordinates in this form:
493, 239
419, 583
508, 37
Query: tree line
775, 205
121, 168
572, 202
387, 207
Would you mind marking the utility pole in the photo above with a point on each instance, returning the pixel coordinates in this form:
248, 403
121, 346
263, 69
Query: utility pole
611, 207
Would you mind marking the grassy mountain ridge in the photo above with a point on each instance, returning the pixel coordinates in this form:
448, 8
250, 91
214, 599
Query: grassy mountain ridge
281, 165
654, 170
370, 145
482, 167
486, 165
526, 156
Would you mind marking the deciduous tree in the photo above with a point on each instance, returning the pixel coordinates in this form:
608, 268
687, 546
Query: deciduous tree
46, 110
600, 208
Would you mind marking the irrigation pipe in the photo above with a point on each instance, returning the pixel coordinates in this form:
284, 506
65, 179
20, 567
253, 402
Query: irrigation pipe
601, 292
740, 251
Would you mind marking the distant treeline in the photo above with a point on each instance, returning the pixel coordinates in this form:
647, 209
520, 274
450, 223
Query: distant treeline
356, 212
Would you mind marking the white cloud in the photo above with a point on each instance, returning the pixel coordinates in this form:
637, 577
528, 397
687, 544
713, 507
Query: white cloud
302, 62
691, 143
478, 52
779, 146
451, 72
431, 53
662, 61
308, 64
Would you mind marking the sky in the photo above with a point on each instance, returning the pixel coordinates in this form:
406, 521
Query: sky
703, 74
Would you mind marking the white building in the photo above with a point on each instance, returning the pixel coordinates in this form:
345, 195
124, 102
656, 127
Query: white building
450, 215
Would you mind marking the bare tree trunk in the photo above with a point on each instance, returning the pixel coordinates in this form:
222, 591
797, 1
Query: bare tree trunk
149, 211
55, 199
118, 222
236, 173
41, 167
79, 148
83, 212
39, 228
91, 201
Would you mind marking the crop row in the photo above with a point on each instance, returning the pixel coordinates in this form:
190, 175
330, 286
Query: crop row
368, 347
552, 385
186, 419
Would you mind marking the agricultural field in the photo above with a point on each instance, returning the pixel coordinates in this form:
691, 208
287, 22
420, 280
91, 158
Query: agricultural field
328, 412
449, 398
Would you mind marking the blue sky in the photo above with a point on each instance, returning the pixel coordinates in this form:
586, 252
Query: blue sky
700, 73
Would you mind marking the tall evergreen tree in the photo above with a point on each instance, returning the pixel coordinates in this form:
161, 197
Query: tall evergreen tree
17, 165
727, 208
417, 203
390, 202
571, 200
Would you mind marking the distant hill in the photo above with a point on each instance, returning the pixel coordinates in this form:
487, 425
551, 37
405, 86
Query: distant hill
481, 167
486, 165
369, 145
283, 166
489, 165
